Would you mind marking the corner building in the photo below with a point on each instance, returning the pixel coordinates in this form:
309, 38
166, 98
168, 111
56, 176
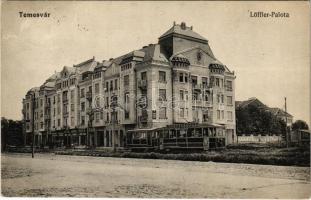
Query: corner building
170, 95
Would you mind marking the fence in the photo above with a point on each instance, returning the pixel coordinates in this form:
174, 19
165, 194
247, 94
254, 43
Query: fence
259, 138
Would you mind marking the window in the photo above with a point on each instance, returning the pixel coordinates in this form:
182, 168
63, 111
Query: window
162, 94
72, 107
194, 80
229, 100
126, 114
218, 98
195, 96
41, 102
186, 78
182, 112
181, 77
222, 114
96, 88
58, 98
218, 114
229, 114
107, 117
97, 117
126, 80
229, 85
111, 85
206, 97
222, 98
82, 93
72, 95
217, 82
82, 120
116, 84
83, 106
107, 86
186, 95
58, 110
162, 113
187, 112
126, 98
221, 83
58, 122
144, 76
181, 92
204, 81
154, 114
107, 101
162, 76
72, 121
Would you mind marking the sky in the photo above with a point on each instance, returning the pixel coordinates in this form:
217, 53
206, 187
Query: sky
270, 56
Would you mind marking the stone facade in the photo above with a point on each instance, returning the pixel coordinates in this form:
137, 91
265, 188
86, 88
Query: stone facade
177, 81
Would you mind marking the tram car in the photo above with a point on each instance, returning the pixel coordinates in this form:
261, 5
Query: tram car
177, 137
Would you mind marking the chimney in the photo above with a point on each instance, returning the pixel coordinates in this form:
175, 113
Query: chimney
183, 25
110, 59
174, 23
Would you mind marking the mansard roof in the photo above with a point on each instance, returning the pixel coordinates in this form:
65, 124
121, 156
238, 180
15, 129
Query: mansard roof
152, 52
182, 29
86, 66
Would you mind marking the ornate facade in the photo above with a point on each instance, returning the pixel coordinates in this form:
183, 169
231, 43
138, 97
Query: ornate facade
174, 89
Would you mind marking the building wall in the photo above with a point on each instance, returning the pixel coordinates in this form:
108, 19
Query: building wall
211, 105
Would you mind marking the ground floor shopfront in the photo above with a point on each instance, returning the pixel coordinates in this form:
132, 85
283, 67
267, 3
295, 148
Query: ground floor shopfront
176, 136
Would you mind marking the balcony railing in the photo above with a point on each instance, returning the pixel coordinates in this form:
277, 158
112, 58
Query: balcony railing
47, 104
65, 100
201, 86
65, 113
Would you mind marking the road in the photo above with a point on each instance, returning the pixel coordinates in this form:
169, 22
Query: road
73, 176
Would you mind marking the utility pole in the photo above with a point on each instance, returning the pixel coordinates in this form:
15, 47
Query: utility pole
286, 123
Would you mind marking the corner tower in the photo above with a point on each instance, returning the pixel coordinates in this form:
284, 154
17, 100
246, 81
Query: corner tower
181, 37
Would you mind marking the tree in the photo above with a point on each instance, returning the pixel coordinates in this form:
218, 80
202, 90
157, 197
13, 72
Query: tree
255, 119
11, 133
299, 124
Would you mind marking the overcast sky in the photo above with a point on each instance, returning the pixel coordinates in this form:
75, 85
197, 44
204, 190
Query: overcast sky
270, 56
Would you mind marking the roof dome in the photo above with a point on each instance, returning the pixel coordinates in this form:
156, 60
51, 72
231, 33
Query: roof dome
180, 59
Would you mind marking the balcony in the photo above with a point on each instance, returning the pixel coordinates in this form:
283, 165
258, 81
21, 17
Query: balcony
207, 104
89, 111
197, 103
197, 87
47, 117
144, 117
65, 101
47, 104
142, 84
89, 96
65, 113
